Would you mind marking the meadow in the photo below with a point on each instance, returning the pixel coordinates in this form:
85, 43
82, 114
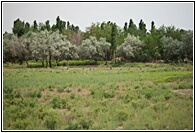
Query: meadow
132, 96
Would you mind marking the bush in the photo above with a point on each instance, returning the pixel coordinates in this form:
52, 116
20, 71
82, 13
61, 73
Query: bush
160, 107
56, 102
38, 94
136, 87
72, 96
85, 123
182, 86
167, 96
68, 90
60, 89
64, 103
73, 126
51, 119
79, 90
127, 98
78, 63
121, 116
7, 90
34, 94
32, 103
148, 94
135, 104
50, 123
108, 94
20, 124
116, 64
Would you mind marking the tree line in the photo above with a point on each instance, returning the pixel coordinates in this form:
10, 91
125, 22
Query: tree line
100, 41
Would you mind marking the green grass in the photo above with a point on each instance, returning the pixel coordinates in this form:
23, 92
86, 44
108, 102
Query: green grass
131, 96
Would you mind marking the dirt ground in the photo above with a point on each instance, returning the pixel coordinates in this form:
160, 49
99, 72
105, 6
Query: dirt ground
188, 92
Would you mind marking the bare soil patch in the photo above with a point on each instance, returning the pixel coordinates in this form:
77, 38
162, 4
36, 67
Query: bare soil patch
188, 92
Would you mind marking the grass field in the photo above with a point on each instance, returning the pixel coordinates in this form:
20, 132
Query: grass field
133, 96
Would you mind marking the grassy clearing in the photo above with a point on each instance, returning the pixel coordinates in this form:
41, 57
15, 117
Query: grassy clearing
131, 96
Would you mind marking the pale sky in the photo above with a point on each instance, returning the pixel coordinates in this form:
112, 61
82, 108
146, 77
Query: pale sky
83, 14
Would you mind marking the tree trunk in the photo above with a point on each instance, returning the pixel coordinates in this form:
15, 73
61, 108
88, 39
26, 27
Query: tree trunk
50, 64
27, 63
46, 62
20, 61
57, 63
42, 62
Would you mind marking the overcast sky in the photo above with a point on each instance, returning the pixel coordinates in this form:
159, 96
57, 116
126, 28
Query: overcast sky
84, 14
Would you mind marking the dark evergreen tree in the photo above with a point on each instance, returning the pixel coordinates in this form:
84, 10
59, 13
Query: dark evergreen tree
35, 26
19, 28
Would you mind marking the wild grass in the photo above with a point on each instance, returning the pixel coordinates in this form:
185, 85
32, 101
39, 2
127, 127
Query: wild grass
132, 96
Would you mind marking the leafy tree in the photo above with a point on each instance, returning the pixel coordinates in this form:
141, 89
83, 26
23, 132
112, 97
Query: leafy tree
132, 29
8, 41
171, 48
125, 28
16, 49
171, 31
41, 26
51, 45
130, 49
104, 48
19, 27
87, 50
47, 23
39, 46
152, 30
142, 26
151, 48
113, 40
62, 48
35, 26
93, 49
187, 49
53, 28
94, 30
100, 31
27, 27
25, 48
142, 29
68, 25
74, 37
60, 25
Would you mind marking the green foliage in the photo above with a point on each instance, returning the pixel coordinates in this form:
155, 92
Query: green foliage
18, 28
34, 94
72, 96
73, 126
187, 39
59, 89
57, 102
68, 90
172, 48
85, 123
109, 94
51, 119
93, 49
65, 41
121, 115
130, 48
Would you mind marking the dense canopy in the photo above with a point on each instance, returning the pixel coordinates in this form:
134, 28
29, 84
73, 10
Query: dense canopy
100, 41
